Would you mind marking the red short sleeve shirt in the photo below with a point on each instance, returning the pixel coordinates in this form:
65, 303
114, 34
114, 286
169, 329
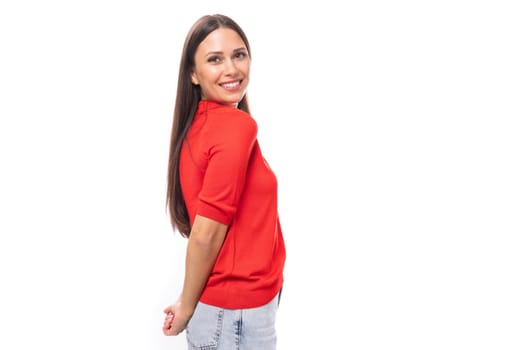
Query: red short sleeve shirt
224, 177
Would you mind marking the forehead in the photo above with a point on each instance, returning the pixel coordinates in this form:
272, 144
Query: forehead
221, 39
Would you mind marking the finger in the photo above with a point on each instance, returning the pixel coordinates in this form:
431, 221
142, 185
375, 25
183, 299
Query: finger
170, 331
168, 321
168, 328
166, 325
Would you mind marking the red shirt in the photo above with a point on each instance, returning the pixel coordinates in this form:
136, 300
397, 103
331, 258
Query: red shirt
224, 177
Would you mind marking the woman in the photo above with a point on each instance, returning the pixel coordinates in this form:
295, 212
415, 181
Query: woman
222, 196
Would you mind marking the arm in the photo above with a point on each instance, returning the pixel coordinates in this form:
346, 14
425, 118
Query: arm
205, 241
229, 139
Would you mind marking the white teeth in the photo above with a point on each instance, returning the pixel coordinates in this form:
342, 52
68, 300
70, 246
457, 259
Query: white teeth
231, 85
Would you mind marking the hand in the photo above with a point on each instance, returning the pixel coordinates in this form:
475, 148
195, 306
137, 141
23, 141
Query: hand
176, 320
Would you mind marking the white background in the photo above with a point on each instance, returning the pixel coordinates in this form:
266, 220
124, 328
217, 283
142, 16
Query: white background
395, 129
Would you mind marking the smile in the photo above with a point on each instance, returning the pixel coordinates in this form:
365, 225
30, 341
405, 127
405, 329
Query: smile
231, 85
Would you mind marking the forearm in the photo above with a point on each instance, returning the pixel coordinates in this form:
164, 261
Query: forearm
203, 247
199, 262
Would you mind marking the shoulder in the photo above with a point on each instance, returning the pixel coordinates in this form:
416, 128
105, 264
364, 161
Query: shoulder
230, 119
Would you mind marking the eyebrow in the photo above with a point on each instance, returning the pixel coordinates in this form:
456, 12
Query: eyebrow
220, 52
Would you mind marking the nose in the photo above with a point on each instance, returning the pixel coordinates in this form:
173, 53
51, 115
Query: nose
230, 68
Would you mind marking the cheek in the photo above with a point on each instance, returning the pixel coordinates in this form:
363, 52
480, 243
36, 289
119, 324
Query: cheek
210, 75
245, 68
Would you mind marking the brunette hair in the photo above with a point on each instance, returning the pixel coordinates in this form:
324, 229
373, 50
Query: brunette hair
186, 102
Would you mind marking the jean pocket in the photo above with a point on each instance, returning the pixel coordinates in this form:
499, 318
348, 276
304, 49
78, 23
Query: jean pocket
204, 328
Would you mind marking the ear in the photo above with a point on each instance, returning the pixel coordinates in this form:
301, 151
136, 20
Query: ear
194, 79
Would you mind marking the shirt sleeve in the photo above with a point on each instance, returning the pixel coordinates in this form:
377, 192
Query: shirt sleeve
230, 140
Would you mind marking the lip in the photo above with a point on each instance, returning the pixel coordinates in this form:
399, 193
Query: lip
231, 85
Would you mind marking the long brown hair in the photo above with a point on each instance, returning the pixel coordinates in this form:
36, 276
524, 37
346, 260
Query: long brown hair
186, 102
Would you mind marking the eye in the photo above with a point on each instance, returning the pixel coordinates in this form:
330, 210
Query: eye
241, 54
214, 59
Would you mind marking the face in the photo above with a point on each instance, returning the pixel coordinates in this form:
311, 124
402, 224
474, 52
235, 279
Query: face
222, 67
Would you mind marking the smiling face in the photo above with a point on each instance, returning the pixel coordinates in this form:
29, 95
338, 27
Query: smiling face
222, 67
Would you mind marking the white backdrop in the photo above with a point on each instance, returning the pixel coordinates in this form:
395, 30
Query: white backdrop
395, 129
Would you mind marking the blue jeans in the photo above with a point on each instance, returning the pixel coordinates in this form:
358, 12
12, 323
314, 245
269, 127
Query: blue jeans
214, 328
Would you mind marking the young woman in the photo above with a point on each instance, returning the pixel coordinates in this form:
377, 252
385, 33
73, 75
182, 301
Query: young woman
222, 196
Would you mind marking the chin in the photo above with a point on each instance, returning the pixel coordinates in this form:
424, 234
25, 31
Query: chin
231, 101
